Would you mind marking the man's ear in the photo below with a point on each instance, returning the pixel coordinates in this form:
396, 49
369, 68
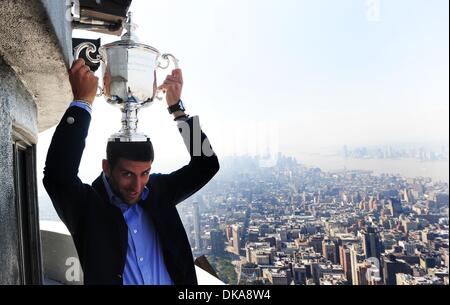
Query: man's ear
106, 168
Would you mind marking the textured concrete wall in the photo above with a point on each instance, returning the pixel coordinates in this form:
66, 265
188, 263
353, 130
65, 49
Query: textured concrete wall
35, 40
16, 106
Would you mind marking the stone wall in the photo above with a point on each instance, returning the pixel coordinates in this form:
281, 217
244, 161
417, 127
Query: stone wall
16, 107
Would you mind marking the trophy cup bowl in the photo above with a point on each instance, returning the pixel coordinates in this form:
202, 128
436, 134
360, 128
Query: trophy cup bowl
129, 78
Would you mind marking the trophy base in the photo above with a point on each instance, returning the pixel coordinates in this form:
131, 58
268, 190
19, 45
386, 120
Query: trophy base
135, 137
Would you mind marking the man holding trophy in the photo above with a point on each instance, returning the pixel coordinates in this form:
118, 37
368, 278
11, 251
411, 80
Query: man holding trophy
125, 225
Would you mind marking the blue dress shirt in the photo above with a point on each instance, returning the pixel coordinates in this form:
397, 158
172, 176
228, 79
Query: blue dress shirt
145, 262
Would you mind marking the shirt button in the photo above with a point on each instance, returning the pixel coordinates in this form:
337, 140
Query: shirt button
119, 276
135, 231
70, 120
141, 259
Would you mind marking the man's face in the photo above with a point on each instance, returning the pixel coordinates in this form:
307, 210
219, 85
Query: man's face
128, 178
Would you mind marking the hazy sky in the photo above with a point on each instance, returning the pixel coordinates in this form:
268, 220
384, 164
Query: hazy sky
323, 70
296, 75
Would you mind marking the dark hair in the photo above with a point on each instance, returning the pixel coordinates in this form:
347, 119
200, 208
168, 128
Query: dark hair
134, 151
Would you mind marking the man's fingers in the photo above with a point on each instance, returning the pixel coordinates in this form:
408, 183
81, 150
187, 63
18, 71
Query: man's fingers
83, 70
178, 74
88, 69
171, 82
80, 70
163, 87
77, 64
174, 78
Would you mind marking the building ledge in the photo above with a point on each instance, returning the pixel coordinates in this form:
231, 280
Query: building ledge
29, 44
57, 244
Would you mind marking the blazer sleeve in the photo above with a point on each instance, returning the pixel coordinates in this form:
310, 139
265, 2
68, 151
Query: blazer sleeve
204, 164
68, 194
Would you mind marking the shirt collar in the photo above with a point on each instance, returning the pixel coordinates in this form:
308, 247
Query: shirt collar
115, 200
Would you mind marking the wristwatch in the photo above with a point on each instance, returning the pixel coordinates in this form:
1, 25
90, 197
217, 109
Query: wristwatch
177, 107
184, 117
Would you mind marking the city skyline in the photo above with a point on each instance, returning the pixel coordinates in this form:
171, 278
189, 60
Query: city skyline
303, 226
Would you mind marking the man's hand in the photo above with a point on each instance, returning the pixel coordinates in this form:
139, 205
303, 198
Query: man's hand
83, 81
172, 86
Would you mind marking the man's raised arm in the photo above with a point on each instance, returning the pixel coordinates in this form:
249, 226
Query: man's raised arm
204, 163
66, 149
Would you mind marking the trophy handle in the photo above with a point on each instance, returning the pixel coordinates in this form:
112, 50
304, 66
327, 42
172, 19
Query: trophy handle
167, 57
159, 95
90, 48
101, 92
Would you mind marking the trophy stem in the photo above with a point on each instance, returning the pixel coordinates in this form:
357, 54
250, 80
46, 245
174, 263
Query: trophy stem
129, 133
129, 120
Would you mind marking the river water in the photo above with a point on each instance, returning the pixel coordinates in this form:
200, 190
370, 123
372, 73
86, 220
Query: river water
408, 168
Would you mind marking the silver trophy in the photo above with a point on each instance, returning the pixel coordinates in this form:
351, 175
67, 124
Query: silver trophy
129, 78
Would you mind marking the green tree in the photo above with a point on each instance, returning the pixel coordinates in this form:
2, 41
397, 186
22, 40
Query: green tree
224, 269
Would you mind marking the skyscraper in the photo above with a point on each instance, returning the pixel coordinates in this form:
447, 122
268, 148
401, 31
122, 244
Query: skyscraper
345, 259
362, 270
217, 242
329, 251
197, 232
236, 239
315, 241
392, 266
355, 258
394, 206
373, 204
372, 245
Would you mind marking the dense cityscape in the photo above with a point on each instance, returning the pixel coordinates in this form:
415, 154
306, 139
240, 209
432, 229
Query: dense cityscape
294, 225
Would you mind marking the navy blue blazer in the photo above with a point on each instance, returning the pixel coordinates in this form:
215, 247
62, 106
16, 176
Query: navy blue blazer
98, 228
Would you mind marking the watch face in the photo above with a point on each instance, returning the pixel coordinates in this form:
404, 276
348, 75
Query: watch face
181, 106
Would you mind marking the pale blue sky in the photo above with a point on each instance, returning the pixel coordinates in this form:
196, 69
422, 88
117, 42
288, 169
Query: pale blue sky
297, 75
313, 61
